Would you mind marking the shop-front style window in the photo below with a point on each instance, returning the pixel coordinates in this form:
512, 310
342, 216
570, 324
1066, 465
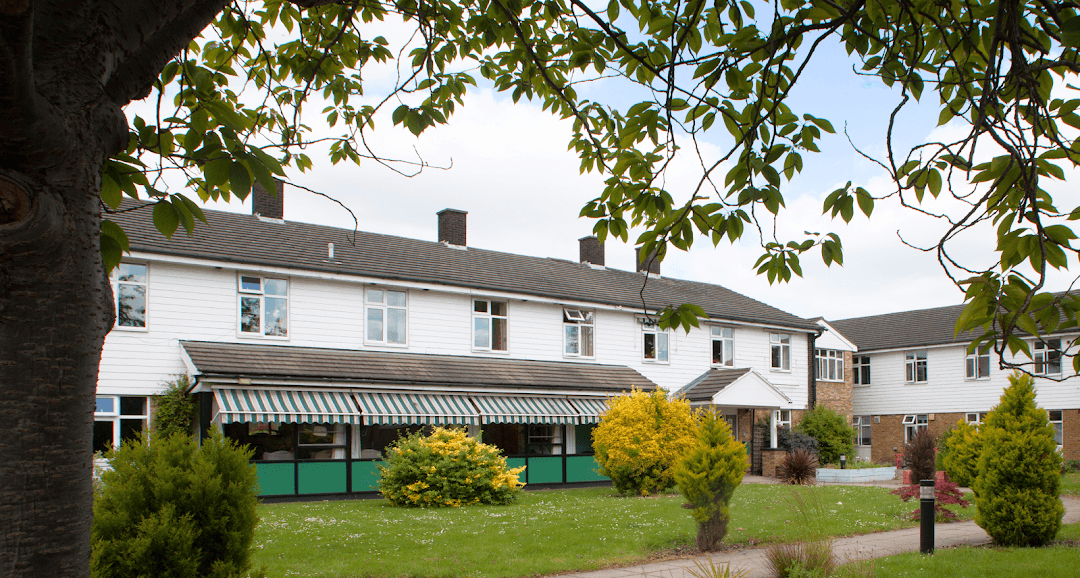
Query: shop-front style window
723, 346
130, 283
578, 333
386, 316
489, 325
264, 306
780, 344
118, 418
654, 342
915, 366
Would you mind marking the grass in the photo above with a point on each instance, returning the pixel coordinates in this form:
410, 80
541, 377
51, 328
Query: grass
546, 532
1056, 561
1070, 484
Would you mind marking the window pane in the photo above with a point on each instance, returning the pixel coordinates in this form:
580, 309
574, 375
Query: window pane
277, 316
498, 308
395, 298
984, 366
131, 428
1053, 362
481, 332
105, 405
970, 367
571, 344
661, 347
374, 324
650, 346
480, 306
250, 284
103, 436
132, 406
395, 325
920, 372
717, 352
276, 287
249, 314
866, 375
787, 357
498, 333
776, 356
131, 306
588, 316
1055, 414
131, 273
374, 296
715, 331
587, 341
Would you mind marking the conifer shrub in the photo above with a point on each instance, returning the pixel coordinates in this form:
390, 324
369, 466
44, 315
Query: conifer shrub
833, 432
173, 509
960, 459
1017, 487
708, 475
446, 468
640, 439
174, 409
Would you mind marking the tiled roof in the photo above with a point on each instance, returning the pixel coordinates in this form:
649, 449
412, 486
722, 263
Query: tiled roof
283, 361
246, 239
710, 383
903, 330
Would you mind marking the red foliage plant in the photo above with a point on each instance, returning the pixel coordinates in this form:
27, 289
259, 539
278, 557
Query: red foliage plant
945, 493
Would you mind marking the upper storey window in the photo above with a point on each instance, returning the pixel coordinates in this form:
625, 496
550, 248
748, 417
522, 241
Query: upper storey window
723, 346
978, 365
780, 343
264, 306
489, 325
130, 290
386, 316
654, 342
578, 333
1048, 357
860, 369
915, 366
830, 364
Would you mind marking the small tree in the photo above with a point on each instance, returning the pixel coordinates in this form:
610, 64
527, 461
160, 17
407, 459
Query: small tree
833, 432
1016, 490
960, 459
174, 508
708, 475
174, 409
919, 453
640, 439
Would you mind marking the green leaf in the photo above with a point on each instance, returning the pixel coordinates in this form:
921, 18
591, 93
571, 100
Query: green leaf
240, 180
165, 218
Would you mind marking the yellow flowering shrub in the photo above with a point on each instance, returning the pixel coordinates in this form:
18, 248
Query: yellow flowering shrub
641, 438
446, 468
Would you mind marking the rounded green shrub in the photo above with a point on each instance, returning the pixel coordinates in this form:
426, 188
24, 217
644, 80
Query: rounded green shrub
640, 439
1016, 489
833, 432
446, 468
708, 475
174, 409
960, 459
173, 509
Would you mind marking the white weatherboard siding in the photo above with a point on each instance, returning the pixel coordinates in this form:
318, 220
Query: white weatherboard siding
947, 389
199, 303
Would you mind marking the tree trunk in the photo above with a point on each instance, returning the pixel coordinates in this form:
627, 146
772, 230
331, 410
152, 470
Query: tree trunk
55, 309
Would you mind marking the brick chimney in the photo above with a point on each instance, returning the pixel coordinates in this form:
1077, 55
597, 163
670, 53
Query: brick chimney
648, 263
592, 250
452, 227
271, 206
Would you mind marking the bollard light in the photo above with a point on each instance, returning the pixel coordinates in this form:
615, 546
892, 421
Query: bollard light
843, 461
926, 516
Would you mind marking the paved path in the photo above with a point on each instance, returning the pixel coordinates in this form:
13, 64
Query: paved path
851, 549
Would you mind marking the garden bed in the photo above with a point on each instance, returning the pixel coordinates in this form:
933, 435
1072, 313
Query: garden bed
852, 476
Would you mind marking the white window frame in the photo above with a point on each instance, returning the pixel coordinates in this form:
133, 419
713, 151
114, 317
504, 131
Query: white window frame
115, 416
243, 293
912, 361
384, 308
973, 366
1046, 353
858, 364
582, 323
661, 342
726, 337
782, 418
118, 283
489, 318
1058, 424
859, 422
780, 342
975, 418
830, 364
913, 423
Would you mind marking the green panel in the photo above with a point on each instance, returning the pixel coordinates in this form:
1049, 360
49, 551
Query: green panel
582, 469
322, 477
365, 476
276, 479
517, 463
544, 471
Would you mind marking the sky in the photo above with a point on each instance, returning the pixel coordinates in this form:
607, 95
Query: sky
508, 166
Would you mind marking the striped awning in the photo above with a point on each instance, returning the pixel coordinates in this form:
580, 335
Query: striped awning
289, 406
415, 408
590, 408
520, 409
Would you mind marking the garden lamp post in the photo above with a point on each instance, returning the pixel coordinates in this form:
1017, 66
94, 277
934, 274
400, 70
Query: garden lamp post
926, 516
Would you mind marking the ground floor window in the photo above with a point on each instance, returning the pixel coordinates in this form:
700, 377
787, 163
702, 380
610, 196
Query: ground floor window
975, 418
862, 429
912, 425
118, 418
531, 439
1056, 420
275, 441
374, 439
583, 438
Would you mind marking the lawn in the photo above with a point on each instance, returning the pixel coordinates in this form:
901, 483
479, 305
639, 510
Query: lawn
546, 532
1058, 561
1070, 484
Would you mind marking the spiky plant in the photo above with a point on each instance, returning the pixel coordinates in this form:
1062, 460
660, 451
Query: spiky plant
919, 454
799, 468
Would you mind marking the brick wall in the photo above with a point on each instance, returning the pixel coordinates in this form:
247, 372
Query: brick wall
836, 395
770, 459
271, 206
1070, 434
452, 227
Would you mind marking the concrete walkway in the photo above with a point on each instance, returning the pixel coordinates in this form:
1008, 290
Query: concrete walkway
851, 549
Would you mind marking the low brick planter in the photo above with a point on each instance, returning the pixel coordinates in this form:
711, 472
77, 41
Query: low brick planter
828, 475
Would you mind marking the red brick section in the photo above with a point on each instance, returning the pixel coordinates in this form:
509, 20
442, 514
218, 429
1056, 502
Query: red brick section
887, 437
770, 460
452, 226
271, 206
1070, 434
836, 395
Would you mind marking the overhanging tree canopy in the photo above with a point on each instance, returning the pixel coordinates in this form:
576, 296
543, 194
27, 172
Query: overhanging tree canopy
229, 113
